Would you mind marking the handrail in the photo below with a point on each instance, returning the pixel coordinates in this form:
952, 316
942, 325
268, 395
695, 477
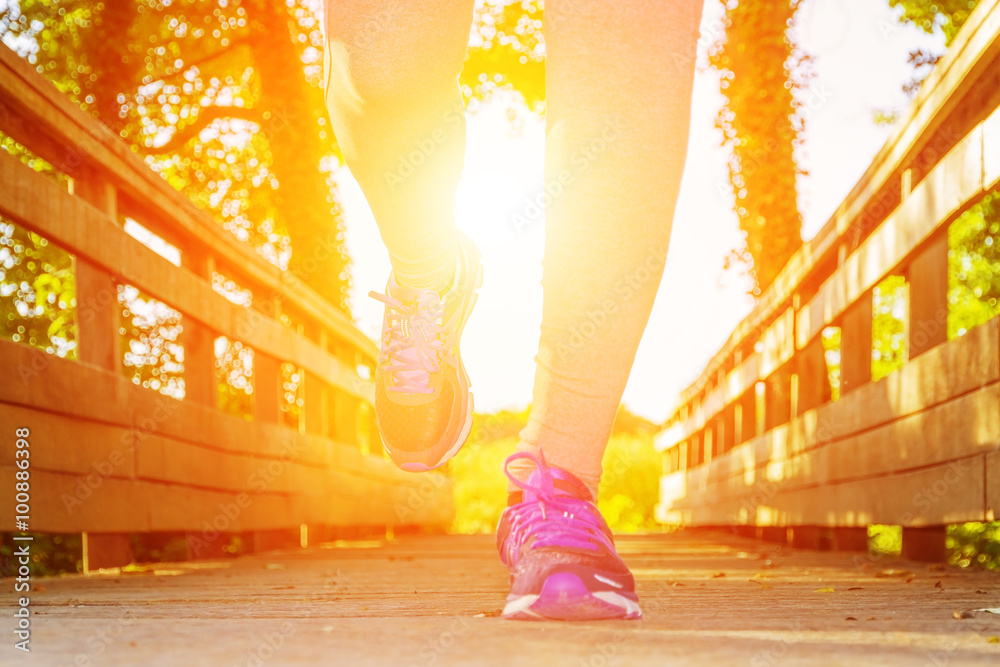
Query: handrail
956, 75
49, 122
757, 441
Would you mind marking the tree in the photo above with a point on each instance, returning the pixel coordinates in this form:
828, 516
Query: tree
948, 16
507, 52
762, 121
224, 99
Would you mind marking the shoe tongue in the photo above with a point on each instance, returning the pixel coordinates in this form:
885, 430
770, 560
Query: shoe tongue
565, 484
410, 295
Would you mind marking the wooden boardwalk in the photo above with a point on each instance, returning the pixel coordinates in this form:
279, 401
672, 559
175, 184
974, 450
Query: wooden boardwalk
709, 599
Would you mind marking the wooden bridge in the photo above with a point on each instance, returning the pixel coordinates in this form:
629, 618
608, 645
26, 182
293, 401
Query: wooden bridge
759, 444
110, 458
777, 459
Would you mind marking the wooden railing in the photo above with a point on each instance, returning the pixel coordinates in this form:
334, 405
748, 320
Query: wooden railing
109, 458
757, 444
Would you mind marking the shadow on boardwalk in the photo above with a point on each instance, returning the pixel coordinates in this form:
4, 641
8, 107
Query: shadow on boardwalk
708, 598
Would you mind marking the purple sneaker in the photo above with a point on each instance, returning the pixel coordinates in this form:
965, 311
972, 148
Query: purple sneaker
560, 552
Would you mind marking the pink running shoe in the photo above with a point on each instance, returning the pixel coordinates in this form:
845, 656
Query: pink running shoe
423, 402
560, 552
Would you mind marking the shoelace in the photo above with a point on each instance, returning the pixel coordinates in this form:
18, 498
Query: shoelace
552, 520
415, 343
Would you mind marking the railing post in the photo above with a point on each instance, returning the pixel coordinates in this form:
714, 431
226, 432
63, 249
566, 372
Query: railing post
99, 343
926, 543
316, 405
105, 550
811, 366
850, 538
96, 289
856, 344
267, 389
199, 364
928, 279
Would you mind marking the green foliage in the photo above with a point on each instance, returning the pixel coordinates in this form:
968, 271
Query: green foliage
33, 161
974, 545
480, 486
630, 485
37, 282
971, 544
888, 326
222, 96
930, 15
948, 16
628, 493
151, 340
507, 52
51, 554
234, 377
885, 540
37, 292
974, 266
762, 72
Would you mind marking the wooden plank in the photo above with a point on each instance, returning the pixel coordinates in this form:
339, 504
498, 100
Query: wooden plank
993, 487
178, 508
939, 407
856, 345
355, 599
809, 451
69, 445
927, 277
97, 319
948, 493
44, 381
952, 430
161, 459
955, 368
62, 503
779, 343
813, 376
79, 228
991, 151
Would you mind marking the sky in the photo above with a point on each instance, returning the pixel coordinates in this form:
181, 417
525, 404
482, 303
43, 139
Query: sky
861, 65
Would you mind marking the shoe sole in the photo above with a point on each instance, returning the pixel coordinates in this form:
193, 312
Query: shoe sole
564, 597
467, 426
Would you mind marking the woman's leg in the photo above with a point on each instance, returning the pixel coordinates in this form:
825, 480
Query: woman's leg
392, 71
619, 80
392, 90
